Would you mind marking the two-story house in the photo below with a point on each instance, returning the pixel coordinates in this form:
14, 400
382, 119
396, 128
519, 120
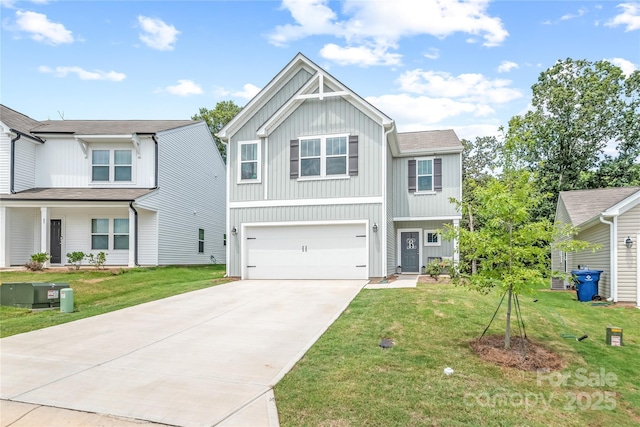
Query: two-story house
321, 185
145, 192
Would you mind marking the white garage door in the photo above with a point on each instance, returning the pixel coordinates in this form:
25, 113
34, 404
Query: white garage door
336, 251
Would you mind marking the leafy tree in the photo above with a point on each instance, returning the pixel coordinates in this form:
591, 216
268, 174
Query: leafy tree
511, 245
578, 108
216, 119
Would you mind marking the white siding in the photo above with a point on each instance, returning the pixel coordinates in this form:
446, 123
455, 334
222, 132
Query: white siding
24, 234
191, 195
147, 237
5, 162
598, 260
628, 226
25, 165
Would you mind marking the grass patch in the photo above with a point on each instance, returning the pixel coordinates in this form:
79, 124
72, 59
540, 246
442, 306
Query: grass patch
101, 291
346, 379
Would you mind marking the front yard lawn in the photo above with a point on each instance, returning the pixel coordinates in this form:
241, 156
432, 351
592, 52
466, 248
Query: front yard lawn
346, 379
100, 291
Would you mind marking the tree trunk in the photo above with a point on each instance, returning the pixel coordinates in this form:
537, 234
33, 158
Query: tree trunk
507, 334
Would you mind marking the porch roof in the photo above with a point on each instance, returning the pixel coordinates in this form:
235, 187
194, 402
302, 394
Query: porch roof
79, 194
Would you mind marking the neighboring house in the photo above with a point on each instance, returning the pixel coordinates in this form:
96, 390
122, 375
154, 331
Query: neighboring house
609, 217
321, 185
146, 192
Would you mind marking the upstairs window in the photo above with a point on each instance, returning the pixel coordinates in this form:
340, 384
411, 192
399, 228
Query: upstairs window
324, 156
249, 152
425, 175
111, 166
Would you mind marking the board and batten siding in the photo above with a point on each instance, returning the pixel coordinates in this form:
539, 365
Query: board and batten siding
446, 248
24, 235
25, 164
5, 163
598, 260
408, 204
190, 196
307, 214
391, 230
628, 226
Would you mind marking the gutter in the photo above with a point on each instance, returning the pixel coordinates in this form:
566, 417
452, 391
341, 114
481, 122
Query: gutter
613, 254
13, 163
135, 236
155, 140
383, 224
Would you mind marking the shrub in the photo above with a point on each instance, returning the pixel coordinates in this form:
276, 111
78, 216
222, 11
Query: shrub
76, 258
436, 267
37, 261
97, 260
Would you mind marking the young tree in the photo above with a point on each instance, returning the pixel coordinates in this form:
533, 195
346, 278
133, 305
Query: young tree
216, 119
511, 245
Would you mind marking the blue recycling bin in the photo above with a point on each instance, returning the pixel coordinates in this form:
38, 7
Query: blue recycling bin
586, 283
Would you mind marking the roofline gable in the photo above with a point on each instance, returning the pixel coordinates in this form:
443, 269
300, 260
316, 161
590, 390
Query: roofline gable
624, 205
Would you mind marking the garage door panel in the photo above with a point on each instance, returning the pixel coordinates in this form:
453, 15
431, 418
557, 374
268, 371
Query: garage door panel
307, 252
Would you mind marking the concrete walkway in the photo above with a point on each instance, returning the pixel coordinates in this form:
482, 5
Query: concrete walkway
209, 357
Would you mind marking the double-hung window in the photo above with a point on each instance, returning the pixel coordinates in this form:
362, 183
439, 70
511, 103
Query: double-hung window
111, 166
425, 175
431, 238
109, 233
323, 156
249, 153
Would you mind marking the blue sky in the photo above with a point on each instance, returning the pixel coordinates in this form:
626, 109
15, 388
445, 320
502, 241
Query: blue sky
428, 64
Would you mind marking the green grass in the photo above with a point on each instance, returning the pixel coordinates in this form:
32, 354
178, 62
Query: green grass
346, 379
101, 291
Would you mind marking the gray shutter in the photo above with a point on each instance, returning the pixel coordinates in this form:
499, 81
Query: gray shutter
353, 155
294, 150
437, 174
412, 176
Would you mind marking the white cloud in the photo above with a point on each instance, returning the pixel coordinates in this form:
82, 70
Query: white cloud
157, 34
185, 88
506, 66
379, 25
432, 53
467, 87
578, 14
41, 29
83, 74
248, 91
627, 67
630, 17
361, 55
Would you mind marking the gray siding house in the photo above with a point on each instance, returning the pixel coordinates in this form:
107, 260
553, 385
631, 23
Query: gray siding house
321, 185
145, 192
611, 218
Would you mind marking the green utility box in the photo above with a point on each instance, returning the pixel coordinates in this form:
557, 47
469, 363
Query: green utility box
31, 295
614, 336
66, 300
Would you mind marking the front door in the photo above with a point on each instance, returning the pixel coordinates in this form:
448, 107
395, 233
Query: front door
55, 241
410, 251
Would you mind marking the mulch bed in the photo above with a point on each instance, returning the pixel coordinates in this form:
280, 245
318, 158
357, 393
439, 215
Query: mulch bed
530, 357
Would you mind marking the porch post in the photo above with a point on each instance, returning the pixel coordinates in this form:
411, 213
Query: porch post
44, 231
4, 239
132, 238
456, 248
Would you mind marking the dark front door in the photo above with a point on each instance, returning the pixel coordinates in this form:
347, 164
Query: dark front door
55, 241
410, 251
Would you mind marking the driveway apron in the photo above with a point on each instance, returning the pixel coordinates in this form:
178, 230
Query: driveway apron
194, 359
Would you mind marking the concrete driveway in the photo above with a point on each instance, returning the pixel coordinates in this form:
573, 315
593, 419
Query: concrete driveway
204, 358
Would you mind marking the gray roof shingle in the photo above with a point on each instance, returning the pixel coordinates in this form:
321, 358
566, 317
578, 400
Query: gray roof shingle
79, 194
109, 127
17, 121
583, 205
431, 140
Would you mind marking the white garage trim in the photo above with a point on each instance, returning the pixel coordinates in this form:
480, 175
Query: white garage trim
301, 250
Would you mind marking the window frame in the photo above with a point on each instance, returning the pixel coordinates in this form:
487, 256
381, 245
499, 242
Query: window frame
433, 233
111, 234
200, 240
92, 234
120, 234
258, 162
323, 157
418, 175
112, 166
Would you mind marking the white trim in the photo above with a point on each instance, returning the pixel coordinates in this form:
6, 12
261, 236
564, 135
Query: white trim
427, 218
258, 160
425, 159
613, 254
305, 202
112, 166
62, 204
427, 243
435, 152
399, 245
323, 157
624, 205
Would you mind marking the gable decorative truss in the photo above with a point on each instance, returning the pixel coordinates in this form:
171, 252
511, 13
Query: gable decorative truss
84, 146
315, 88
84, 141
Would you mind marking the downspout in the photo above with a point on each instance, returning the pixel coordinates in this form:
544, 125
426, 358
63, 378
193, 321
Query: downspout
135, 236
13, 163
613, 254
156, 169
383, 227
